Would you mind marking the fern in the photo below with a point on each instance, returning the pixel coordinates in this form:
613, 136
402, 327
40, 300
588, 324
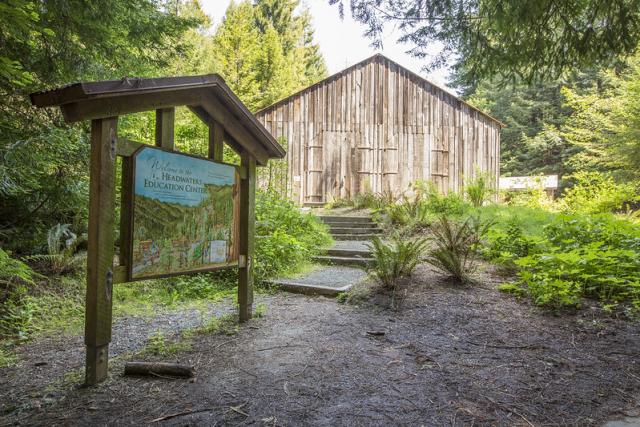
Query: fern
395, 259
478, 189
62, 244
455, 246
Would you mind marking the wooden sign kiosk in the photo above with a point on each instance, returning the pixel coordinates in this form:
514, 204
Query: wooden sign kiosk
229, 122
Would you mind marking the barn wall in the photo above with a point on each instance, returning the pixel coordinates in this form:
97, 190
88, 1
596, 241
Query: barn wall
378, 127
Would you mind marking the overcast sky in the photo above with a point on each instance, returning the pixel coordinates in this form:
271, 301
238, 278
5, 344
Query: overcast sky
342, 42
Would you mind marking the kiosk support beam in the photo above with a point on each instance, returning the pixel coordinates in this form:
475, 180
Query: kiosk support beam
216, 141
247, 235
100, 248
164, 127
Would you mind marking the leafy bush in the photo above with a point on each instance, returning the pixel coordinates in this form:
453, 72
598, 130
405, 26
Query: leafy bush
15, 276
595, 192
14, 272
505, 246
559, 279
414, 211
62, 245
571, 257
375, 201
456, 245
285, 237
478, 189
535, 197
419, 211
338, 202
450, 204
395, 259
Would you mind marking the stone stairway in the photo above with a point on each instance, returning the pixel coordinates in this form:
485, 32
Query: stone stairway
351, 234
350, 250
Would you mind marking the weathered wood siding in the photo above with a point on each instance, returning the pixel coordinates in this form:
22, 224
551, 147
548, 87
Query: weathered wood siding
378, 127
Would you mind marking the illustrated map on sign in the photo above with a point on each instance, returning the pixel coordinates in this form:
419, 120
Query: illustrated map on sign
184, 216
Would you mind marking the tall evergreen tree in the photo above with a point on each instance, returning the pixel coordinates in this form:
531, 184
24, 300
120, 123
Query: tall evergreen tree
236, 50
266, 51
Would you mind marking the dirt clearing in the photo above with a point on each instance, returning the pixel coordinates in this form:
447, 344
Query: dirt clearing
452, 356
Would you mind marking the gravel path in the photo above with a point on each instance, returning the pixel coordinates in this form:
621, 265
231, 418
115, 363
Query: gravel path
46, 361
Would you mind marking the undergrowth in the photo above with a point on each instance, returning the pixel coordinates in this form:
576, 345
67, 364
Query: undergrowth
568, 257
286, 239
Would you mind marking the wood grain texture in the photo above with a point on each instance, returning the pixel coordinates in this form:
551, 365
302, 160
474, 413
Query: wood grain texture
378, 127
216, 141
100, 248
165, 118
247, 236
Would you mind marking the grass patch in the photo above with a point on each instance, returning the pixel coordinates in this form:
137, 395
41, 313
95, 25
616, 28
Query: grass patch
158, 345
7, 357
302, 270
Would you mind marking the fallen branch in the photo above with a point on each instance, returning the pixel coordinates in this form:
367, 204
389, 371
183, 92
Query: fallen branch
180, 414
527, 346
159, 369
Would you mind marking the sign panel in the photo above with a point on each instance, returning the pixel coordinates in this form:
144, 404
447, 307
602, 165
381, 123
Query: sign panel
526, 182
185, 214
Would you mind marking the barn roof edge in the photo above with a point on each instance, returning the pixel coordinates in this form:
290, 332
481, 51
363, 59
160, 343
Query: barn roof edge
366, 61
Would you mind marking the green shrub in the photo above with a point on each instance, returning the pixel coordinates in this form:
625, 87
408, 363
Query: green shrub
209, 286
560, 278
506, 245
338, 203
61, 256
14, 272
285, 237
595, 192
395, 259
573, 231
436, 202
478, 189
15, 313
414, 211
374, 201
570, 257
456, 245
535, 197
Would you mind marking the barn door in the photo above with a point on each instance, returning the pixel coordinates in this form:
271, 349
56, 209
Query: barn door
341, 164
313, 171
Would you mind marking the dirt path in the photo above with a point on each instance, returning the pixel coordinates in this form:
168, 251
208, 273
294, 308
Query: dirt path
47, 362
452, 356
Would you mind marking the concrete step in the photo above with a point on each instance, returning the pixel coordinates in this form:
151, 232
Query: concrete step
358, 219
343, 224
353, 236
354, 230
343, 260
336, 260
353, 253
328, 281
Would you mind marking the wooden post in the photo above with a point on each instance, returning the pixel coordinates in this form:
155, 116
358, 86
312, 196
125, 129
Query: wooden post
216, 141
247, 235
164, 127
100, 249
126, 199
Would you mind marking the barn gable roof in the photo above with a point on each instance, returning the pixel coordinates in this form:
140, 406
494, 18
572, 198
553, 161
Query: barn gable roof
374, 58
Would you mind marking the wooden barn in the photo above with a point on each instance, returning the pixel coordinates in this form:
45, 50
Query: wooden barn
378, 127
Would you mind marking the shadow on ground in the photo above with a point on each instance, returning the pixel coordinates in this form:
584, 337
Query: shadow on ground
452, 356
